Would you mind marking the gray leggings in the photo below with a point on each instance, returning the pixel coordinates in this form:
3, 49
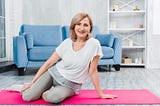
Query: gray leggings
53, 91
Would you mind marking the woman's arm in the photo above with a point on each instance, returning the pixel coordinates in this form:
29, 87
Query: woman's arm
93, 71
52, 60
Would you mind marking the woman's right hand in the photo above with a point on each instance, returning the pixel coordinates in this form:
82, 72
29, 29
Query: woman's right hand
25, 87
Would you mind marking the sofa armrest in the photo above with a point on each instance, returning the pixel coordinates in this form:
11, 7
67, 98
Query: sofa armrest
20, 51
117, 46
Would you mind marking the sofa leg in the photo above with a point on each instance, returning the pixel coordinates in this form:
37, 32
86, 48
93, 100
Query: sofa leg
117, 67
98, 67
109, 67
21, 71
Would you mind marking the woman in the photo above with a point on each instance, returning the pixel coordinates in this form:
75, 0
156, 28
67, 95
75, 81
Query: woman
73, 61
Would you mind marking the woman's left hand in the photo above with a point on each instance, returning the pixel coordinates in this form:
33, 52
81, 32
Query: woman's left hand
108, 96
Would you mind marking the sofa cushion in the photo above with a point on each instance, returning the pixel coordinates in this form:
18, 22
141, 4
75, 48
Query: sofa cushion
40, 53
49, 35
66, 32
95, 31
105, 39
29, 40
108, 52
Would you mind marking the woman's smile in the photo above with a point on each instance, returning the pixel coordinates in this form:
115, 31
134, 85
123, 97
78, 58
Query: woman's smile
81, 31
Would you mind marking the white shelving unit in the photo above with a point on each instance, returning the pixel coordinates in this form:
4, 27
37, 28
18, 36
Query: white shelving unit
127, 19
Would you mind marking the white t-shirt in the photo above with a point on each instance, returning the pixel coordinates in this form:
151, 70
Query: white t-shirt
74, 65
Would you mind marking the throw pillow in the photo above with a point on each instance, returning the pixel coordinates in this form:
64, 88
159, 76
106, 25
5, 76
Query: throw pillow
105, 39
29, 40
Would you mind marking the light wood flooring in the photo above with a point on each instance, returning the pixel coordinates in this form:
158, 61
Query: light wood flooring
126, 78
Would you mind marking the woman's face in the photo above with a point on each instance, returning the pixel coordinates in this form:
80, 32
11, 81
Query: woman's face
82, 29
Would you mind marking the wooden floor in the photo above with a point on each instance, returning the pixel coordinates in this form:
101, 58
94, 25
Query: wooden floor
127, 78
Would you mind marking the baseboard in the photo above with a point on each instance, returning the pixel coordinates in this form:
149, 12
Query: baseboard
6, 66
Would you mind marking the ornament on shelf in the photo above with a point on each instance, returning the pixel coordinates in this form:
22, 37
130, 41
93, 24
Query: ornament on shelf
138, 60
130, 42
113, 24
136, 8
115, 7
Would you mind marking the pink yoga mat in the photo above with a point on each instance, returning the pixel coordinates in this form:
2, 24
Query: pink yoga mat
90, 97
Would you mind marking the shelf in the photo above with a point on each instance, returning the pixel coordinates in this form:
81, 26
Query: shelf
133, 47
116, 12
125, 5
133, 64
127, 29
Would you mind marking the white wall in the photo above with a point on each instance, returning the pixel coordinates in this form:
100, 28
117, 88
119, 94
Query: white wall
61, 12
153, 36
156, 17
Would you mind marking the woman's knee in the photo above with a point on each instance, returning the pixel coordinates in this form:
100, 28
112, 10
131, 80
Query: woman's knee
26, 96
57, 94
56, 98
53, 98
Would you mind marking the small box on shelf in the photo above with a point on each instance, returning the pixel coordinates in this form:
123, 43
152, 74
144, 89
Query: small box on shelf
126, 60
139, 26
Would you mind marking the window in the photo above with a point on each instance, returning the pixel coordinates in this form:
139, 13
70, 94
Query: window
2, 30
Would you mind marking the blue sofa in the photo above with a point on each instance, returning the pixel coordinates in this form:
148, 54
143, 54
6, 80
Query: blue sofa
35, 44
